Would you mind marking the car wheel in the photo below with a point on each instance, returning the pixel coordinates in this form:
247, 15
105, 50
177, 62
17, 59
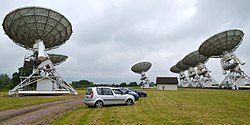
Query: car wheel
129, 102
98, 104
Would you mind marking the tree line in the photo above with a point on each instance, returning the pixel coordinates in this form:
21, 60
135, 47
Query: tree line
7, 83
86, 83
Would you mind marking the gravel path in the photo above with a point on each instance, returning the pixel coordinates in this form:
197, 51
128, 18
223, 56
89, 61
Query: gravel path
38, 114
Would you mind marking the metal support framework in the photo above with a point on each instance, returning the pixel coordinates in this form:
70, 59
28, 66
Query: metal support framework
206, 80
235, 77
183, 80
43, 77
145, 83
236, 80
193, 78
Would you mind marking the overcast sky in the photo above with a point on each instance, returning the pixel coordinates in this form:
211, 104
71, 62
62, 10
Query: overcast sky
110, 36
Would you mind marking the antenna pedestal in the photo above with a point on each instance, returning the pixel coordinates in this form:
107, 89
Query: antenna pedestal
236, 80
183, 80
45, 80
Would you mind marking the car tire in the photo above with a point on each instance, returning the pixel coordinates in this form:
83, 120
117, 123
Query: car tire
129, 102
98, 104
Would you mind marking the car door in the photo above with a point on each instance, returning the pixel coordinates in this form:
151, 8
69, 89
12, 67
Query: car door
108, 96
119, 96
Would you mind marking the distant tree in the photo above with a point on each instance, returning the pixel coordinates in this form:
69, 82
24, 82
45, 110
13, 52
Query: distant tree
22, 71
115, 85
133, 84
123, 84
15, 79
82, 84
4, 82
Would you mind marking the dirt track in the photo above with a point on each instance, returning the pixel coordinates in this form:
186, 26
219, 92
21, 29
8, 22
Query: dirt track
38, 114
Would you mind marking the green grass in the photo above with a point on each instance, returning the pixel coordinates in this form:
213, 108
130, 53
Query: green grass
9, 102
3, 93
185, 106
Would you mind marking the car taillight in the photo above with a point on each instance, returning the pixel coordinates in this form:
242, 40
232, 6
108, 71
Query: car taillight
92, 94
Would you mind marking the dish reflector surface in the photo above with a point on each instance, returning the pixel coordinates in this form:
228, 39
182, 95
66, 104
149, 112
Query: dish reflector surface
194, 58
174, 69
180, 65
26, 25
57, 59
225, 41
141, 67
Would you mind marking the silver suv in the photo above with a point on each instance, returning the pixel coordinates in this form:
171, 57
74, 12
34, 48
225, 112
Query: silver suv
100, 96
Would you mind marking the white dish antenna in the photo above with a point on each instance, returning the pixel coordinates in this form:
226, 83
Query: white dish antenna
142, 68
222, 45
200, 77
184, 82
182, 77
217, 45
39, 29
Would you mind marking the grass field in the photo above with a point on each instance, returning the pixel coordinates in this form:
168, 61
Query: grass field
185, 106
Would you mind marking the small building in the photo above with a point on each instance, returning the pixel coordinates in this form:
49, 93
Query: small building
166, 83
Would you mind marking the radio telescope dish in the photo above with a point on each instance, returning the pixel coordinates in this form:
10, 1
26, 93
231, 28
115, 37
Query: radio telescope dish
57, 59
194, 58
216, 45
182, 77
39, 29
26, 25
222, 45
180, 65
204, 79
174, 69
142, 68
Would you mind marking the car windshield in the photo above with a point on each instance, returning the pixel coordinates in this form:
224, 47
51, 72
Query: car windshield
124, 91
117, 91
132, 90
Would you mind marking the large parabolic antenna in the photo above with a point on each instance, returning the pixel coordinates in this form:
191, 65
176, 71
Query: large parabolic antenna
141, 68
180, 65
222, 45
216, 45
27, 25
195, 59
192, 60
39, 29
56, 59
183, 78
174, 69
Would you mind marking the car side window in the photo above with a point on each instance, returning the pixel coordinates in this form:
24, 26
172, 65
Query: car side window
107, 91
116, 91
99, 91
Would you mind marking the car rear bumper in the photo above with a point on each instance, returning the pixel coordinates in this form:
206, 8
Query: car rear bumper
89, 102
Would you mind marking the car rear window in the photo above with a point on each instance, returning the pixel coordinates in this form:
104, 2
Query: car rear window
89, 91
